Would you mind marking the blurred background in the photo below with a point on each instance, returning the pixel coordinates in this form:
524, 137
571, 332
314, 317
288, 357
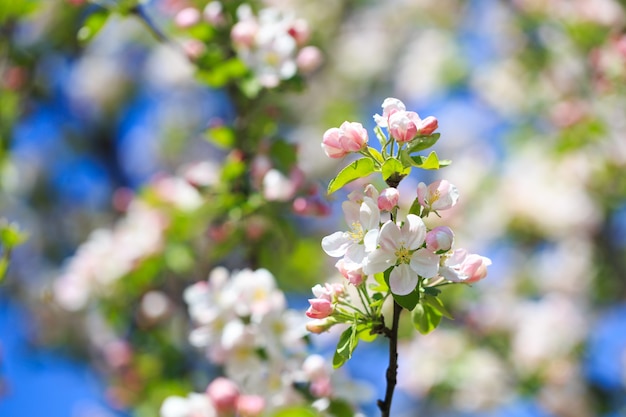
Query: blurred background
97, 112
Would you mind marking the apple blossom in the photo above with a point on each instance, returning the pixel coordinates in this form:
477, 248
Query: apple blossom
320, 325
187, 17
309, 59
250, 405
351, 271
349, 137
440, 195
464, 267
428, 126
399, 249
404, 125
361, 238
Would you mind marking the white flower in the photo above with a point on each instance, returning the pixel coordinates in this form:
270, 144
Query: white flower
363, 220
399, 247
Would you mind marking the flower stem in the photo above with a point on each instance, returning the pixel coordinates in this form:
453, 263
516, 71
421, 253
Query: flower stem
392, 368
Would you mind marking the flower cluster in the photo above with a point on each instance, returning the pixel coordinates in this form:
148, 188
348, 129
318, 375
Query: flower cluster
273, 45
243, 323
409, 248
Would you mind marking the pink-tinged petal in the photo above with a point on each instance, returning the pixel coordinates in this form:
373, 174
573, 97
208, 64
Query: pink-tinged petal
450, 274
370, 241
475, 267
402, 280
351, 212
413, 232
355, 254
319, 309
331, 145
457, 258
378, 261
337, 244
440, 239
354, 136
369, 214
422, 193
425, 263
389, 237
428, 125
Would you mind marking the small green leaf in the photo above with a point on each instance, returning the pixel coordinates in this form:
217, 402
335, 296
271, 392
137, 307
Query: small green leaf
340, 408
425, 318
416, 208
393, 166
357, 169
376, 154
4, 265
437, 304
11, 235
221, 136
422, 142
364, 332
92, 25
348, 341
430, 162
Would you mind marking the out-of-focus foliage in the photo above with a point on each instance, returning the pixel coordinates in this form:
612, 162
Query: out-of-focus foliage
112, 119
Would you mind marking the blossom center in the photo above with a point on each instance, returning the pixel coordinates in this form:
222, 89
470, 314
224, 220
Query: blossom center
356, 233
403, 255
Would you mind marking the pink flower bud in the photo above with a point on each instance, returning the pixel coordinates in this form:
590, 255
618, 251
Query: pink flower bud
243, 33
388, 199
354, 136
352, 272
224, 394
309, 59
250, 405
428, 126
464, 267
300, 31
475, 267
321, 387
213, 13
187, 17
403, 125
193, 48
319, 309
440, 239
320, 326
440, 195
331, 145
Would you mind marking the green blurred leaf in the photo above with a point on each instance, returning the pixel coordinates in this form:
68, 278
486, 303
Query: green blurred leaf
4, 265
92, 26
221, 136
340, 408
10, 235
425, 318
179, 258
382, 139
284, 155
295, 412
416, 207
357, 169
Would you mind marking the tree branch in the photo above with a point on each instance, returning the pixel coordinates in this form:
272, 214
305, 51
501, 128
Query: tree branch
392, 368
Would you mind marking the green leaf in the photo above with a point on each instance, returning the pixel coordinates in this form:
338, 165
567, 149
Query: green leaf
357, 169
422, 142
284, 155
364, 332
425, 318
348, 341
437, 304
394, 166
430, 162
295, 412
92, 25
221, 136
340, 408
11, 235
376, 154
416, 208
4, 265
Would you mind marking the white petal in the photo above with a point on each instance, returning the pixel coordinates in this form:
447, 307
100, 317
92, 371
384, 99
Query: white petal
378, 261
413, 231
425, 263
369, 214
351, 212
371, 240
337, 244
355, 254
389, 237
451, 274
402, 280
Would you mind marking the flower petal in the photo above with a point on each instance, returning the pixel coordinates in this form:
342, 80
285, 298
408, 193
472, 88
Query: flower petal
389, 237
425, 263
413, 232
337, 244
378, 261
402, 280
